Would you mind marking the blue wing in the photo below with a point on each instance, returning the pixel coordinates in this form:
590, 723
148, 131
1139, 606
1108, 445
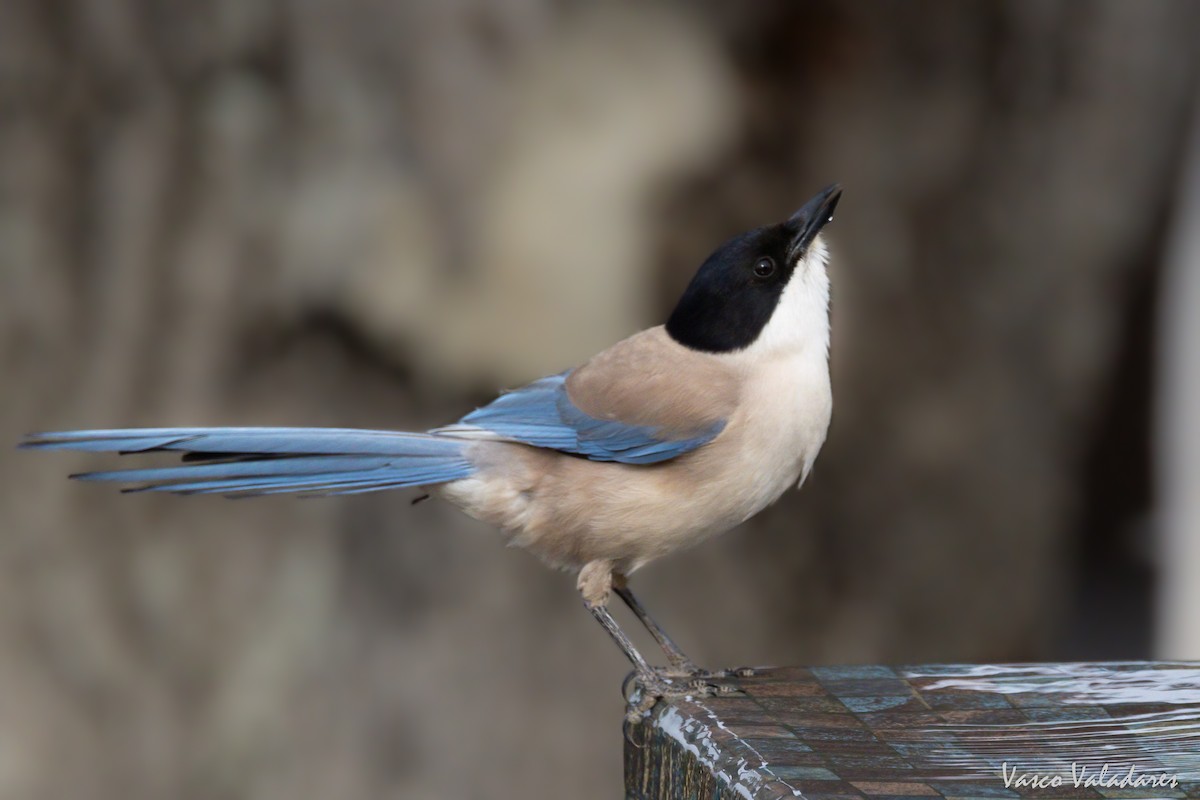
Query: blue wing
542, 414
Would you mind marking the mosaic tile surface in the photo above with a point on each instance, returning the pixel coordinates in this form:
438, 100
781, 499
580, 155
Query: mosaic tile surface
939, 731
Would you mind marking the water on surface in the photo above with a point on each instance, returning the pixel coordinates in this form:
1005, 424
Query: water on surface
1091, 714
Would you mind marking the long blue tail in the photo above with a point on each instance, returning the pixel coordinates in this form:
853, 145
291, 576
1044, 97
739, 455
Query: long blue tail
253, 461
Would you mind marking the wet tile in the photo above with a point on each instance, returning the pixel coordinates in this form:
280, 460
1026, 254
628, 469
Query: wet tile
854, 732
1137, 709
1065, 792
1122, 666
752, 731
1066, 713
726, 710
782, 674
807, 725
985, 716
912, 750
895, 788
811, 789
815, 719
1034, 699
953, 700
802, 705
936, 671
815, 735
879, 774
901, 719
782, 689
834, 747
934, 735
845, 764
877, 687
869, 703
966, 789
1141, 794
895, 721
781, 751
853, 672
790, 773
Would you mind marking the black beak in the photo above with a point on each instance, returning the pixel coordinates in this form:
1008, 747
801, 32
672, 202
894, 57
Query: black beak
812, 216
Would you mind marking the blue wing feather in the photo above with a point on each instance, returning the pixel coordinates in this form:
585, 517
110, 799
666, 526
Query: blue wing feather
542, 414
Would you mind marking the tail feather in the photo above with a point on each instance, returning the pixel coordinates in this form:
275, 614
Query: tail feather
279, 441
243, 468
252, 461
259, 485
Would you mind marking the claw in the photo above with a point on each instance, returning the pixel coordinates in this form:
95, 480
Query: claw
629, 686
642, 690
704, 685
629, 727
708, 682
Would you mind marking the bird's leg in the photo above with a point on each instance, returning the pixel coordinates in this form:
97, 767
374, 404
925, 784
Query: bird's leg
643, 669
698, 680
678, 660
595, 584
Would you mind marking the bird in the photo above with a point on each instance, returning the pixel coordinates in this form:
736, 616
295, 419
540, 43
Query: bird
667, 438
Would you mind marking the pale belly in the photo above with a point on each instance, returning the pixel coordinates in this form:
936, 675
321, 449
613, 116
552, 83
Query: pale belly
569, 511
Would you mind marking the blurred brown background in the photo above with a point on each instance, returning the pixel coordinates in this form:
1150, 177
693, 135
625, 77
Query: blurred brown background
368, 213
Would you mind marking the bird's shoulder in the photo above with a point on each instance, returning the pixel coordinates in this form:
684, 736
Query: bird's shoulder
644, 400
650, 379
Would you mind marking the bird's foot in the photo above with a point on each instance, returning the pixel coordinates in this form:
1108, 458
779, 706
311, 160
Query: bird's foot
692, 671
643, 689
685, 670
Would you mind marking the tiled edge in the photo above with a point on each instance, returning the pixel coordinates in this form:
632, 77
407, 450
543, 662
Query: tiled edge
684, 750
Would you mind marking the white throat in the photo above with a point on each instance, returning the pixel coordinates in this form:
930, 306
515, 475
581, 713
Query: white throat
800, 322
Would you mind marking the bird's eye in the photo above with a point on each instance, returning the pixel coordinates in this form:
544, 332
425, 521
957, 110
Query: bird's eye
764, 267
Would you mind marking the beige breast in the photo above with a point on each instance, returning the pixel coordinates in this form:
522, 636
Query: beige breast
569, 511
